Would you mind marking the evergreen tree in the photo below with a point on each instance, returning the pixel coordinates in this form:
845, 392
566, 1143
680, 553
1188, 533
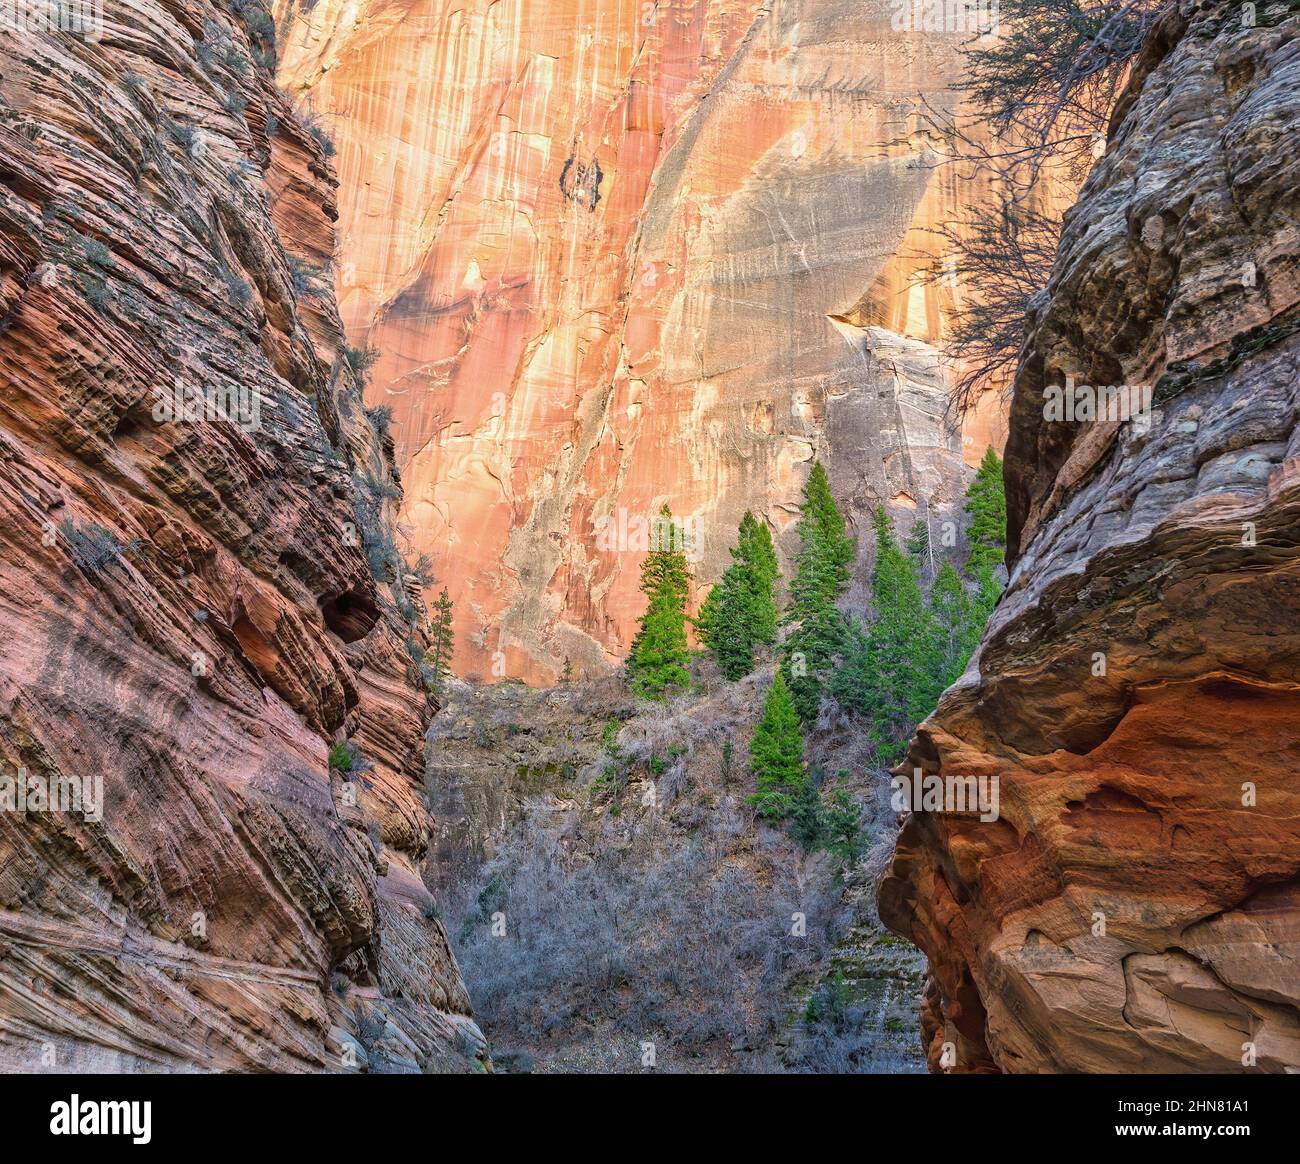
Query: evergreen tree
955, 628
826, 553
986, 502
759, 554
918, 541
896, 664
437, 658
740, 611
776, 754
829, 820
854, 683
660, 656
807, 817
710, 624
888, 668
842, 834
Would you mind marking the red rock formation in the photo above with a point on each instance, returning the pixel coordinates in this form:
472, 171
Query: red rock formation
625, 252
187, 608
1137, 905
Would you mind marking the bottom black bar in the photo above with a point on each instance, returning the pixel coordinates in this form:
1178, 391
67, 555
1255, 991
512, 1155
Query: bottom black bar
335, 1112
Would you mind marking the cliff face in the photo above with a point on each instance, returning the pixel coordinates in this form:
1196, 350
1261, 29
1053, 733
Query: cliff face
186, 608
1137, 905
627, 252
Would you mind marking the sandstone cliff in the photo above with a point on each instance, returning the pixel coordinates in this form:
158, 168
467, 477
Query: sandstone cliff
1137, 906
186, 605
633, 251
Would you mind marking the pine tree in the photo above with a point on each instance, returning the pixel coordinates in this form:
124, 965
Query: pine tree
807, 817
918, 541
739, 613
826, 553
438, 657
902, 630
896, 663
776, 754
660, 656
986, 502
709, 619
889, 663
953, 623
842, 828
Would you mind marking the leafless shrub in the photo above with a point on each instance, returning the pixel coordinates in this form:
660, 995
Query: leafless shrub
1004, 255
851, 1038
1048, 83
656, 933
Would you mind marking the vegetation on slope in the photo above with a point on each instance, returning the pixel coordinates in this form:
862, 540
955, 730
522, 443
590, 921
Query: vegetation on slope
658, 891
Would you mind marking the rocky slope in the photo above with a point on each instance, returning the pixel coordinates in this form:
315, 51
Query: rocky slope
632, 251
608, 888
186, 605
1137, 905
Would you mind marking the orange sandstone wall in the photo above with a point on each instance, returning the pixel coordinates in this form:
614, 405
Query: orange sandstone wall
617, 253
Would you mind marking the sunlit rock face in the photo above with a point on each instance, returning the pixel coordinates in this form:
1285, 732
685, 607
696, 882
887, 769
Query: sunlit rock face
1136, 907
622, 253
188, 622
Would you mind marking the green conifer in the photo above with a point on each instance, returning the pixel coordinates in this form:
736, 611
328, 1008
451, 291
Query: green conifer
954, 627
660, 657
437, 659
740, 611
986, 502
889, 663
776, 754
823, 562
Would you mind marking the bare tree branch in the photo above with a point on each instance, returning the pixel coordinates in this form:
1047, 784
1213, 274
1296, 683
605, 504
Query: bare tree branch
1042, 94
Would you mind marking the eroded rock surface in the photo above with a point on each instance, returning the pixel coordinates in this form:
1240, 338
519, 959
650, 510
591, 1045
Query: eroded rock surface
186, 605
1137, 905
632, 251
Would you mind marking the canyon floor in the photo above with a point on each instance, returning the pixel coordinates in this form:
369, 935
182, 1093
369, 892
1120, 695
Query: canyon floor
637, 898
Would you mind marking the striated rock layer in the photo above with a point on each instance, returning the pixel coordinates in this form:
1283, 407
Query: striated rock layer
186, 607
1137, 693
624, 252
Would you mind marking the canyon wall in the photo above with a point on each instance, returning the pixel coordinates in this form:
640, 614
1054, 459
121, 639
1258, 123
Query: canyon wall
188, 620
629, 252
1137, 905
